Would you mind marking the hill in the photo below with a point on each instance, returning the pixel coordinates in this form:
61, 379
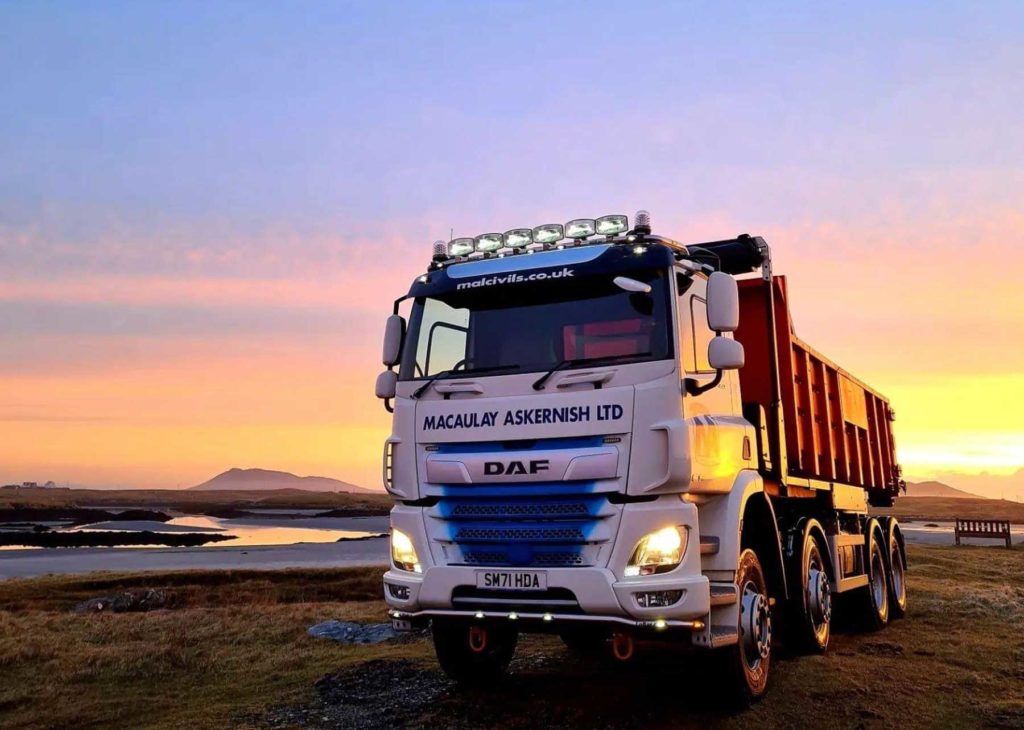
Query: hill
937, 489
252, 480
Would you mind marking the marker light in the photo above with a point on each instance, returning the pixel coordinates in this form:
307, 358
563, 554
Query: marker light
580, 228
518, 237
461, 246
658, 552
489, 242
610, 225
548, 233
403, 553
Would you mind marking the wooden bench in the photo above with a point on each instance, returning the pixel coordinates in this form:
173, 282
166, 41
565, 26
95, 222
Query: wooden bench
994, 529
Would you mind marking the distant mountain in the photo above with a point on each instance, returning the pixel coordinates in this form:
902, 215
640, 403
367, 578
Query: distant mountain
936, 489
266, 480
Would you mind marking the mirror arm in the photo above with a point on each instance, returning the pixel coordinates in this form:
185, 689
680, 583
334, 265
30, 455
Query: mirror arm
387, 406
693, 387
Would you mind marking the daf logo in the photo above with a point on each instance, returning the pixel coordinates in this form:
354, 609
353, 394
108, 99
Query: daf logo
497, 468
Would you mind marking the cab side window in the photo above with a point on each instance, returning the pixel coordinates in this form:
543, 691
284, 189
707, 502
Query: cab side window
443, 342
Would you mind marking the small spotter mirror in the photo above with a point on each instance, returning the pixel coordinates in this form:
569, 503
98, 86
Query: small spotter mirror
387, 384
627, 284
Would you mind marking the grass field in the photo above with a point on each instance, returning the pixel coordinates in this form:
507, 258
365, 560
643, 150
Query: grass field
949, 508
232, 650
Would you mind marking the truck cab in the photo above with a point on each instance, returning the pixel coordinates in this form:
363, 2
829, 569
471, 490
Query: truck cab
571, 453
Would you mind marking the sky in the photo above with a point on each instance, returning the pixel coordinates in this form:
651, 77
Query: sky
206, 209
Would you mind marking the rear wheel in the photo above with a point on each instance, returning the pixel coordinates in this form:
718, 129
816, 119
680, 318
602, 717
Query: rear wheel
473, 653
877, 602
746, 664
897, 576
813, 613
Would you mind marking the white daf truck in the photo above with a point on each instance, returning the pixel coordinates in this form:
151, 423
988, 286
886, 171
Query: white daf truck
608, 435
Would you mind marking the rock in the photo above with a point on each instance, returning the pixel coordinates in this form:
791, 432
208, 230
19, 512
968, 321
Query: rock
147, 600
349, 632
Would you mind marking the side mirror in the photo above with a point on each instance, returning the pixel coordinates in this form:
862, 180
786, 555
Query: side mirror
723, 303
725, 353
394, 333
387, 383
627, 284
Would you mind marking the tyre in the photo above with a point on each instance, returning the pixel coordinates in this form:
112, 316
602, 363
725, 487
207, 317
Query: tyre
584, 639
746, 664
473, 654
897, 566
812, 612
876, 605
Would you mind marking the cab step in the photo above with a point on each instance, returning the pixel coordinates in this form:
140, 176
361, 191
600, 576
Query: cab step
708, 545
724, 594
724, 636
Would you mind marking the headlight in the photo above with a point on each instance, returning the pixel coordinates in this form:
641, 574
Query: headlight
403, 554
658, 552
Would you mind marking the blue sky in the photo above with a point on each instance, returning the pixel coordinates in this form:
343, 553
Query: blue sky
178, 180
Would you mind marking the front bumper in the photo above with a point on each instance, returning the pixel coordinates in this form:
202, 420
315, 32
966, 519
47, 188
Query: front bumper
603, 594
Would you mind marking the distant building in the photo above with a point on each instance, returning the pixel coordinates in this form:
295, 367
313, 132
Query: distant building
29, 485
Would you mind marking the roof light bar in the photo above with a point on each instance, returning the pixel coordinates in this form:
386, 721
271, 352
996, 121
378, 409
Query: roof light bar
461, 246
518, 237
580, 228
611, 225
488, 242
548, 233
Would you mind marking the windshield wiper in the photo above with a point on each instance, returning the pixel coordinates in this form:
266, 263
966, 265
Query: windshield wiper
543, 379
455, 371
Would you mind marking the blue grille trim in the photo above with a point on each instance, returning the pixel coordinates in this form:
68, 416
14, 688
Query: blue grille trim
477, 447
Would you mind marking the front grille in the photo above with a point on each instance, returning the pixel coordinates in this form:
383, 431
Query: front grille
531, 534
500, 510
523, 525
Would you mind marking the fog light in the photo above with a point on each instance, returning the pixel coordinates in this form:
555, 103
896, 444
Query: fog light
548, 617
660, 624
657, 599
399, 592
513, 616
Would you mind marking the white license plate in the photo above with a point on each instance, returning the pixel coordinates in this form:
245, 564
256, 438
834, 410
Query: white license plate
512, 580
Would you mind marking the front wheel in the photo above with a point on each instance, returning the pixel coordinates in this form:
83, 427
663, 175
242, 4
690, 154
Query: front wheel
471, 653
747, 663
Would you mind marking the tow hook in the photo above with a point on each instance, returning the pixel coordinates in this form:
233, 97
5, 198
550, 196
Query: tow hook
477, 639
622, 646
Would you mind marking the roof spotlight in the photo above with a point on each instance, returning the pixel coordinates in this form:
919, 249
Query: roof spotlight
461, 246
489, 242
580, 228
611, 225
518, 237
548, 233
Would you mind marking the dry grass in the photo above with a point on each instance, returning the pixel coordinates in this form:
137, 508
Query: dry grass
949, 508
235, 644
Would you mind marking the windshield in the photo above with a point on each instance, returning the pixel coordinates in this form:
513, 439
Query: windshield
535, 326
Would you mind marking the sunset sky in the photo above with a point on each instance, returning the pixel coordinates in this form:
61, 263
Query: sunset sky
206, 209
